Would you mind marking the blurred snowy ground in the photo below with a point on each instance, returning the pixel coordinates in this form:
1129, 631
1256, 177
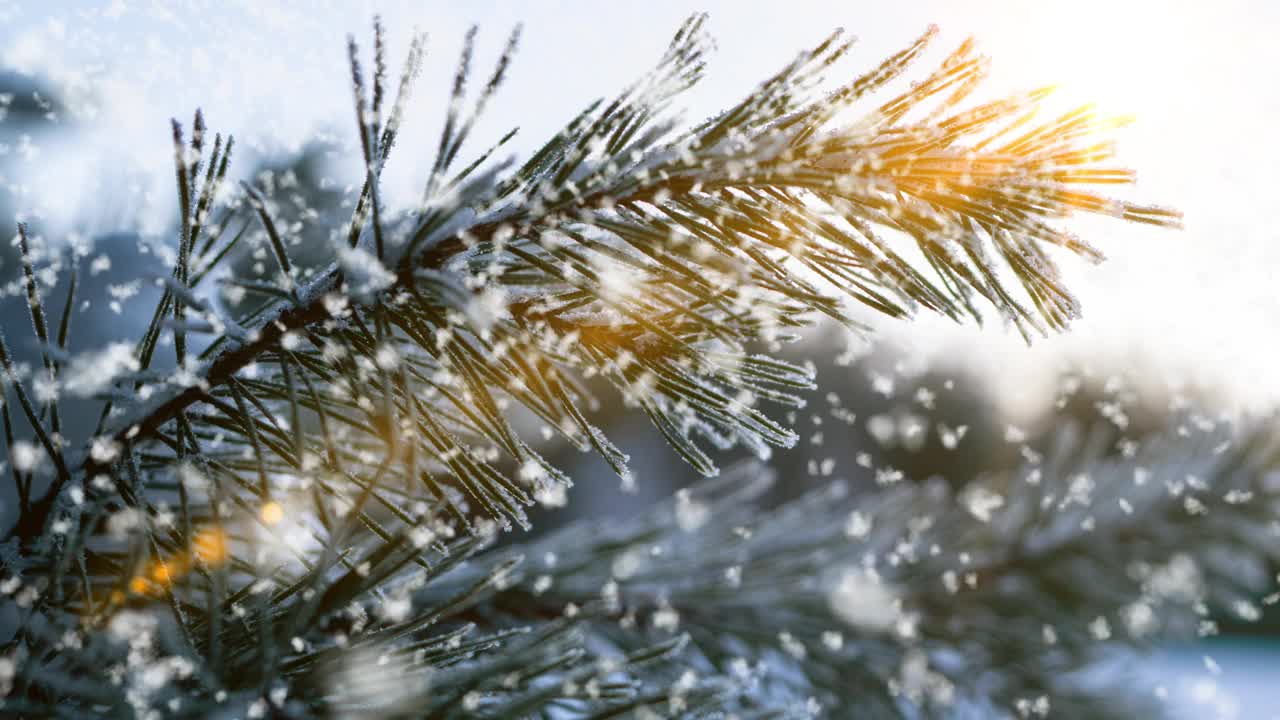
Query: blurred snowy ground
1222, 679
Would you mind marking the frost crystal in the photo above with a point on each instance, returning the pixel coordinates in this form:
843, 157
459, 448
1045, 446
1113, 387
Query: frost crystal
690, 514
833, 640
1140, 619
421, 536
8, 669
917, 682
365, 274
104, 450
552, 494
863, 601
397, 608
667, 619
858, 525
981, 502
27, 456
1179, 580
92, 373
121, 524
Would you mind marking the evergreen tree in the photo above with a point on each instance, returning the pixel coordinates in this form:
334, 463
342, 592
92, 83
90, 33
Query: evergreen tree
300, 510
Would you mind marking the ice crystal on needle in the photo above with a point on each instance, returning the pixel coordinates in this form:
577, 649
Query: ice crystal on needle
862, 600
92, 373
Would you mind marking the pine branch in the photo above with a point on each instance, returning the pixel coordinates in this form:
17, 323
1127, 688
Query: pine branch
908, 599
367, 420
701, 224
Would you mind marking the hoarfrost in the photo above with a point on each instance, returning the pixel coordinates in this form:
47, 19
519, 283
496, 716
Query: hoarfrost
365, 274
863, 601
981, 502
552, 494
858, 525
1100, 629
690, 514
27, 456
94, 372
1179, 580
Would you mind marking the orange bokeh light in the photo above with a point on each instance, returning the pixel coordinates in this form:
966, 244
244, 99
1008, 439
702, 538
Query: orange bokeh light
272, 513
208, 547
